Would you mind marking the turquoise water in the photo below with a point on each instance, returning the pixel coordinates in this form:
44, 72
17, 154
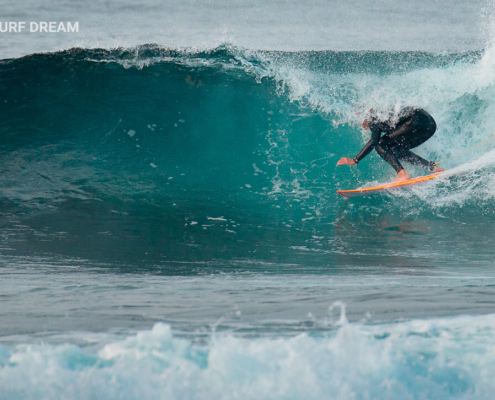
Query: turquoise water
171, 228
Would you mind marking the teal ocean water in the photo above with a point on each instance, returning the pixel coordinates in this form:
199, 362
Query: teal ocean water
170, 227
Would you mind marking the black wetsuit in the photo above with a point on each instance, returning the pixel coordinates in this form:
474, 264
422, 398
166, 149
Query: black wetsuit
414, 127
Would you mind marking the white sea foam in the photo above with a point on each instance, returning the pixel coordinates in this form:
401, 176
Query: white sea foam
429, 359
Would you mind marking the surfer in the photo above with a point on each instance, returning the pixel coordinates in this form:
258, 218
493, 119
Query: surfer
413, 127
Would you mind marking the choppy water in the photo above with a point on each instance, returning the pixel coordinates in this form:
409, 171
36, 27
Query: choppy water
170, 226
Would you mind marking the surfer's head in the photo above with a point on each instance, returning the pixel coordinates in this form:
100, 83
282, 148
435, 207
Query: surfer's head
369, 117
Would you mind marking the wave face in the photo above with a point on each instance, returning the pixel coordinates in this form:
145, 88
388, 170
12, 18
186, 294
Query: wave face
119, 166
156, 155
436, 359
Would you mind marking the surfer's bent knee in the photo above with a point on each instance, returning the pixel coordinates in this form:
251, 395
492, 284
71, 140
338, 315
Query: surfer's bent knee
424, 121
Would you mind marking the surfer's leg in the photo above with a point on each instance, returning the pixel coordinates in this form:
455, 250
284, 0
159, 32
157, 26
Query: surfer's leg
397, 144
402, 134
424, 128
409, 156
385, 148
388, 155
413, 132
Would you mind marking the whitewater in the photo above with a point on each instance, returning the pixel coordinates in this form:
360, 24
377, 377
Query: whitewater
170, 227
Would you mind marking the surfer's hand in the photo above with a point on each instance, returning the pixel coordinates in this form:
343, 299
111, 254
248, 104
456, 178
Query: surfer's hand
436, 168
346, 161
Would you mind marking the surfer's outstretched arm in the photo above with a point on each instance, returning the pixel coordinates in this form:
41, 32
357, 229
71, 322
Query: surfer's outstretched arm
368, 147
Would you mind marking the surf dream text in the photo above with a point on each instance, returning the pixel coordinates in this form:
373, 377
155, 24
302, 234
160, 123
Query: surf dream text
39, 27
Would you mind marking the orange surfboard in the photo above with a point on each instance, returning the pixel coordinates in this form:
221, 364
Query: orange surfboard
377, 189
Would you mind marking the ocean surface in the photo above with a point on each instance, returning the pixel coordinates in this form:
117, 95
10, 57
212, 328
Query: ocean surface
169, 222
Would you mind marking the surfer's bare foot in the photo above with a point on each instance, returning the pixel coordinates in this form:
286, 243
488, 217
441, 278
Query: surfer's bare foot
436, 168
401, 176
